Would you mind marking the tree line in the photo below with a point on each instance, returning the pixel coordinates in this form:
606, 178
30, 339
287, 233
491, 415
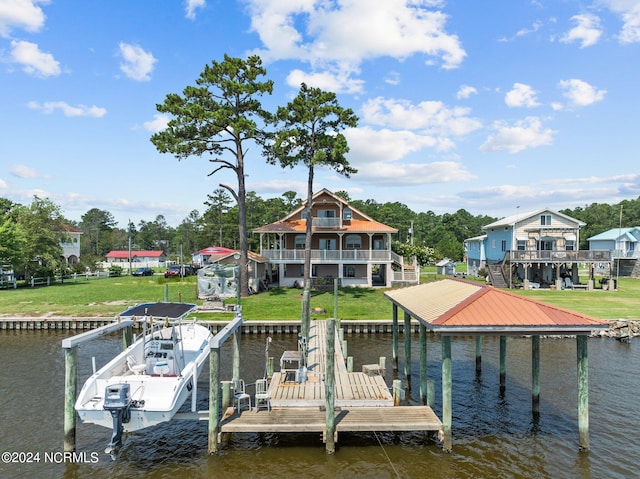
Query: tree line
30, 235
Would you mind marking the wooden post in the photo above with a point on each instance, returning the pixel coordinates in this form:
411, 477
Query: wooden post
407, 349
236, 354
166, 293
306, 311
127, 337
70, 386
329, 387
503, 363
478, 354
397, 392
349, 364
270, 366
446, 393
214, 399
431, 393
226, 395
394, 337
535, 375
344, 349
335, 303
423, 364
583, 392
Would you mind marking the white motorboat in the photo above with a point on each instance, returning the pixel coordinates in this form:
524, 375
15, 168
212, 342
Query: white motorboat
150, 380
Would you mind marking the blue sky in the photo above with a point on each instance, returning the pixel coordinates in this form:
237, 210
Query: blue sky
486, 106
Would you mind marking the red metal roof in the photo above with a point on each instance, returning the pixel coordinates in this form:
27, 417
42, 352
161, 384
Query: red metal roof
464, 307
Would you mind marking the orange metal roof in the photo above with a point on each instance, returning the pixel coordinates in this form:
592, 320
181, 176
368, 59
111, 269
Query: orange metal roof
300, 226
462, 307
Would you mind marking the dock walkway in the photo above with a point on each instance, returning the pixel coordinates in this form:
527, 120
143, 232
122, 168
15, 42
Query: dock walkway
362, 402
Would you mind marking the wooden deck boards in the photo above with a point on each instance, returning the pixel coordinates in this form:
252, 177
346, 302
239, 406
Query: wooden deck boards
300, 420
352, 389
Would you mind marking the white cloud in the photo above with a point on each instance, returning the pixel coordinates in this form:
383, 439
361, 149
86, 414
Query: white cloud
137, 64
432, 117
587, 31
629, 10
22, 14
192, 6
526, 31
3, 184
33, 61
22, 171
466, 91
344, 33
404, 174
524, 134
580, 93
159, 123
339, 82
369, 145
68, 110
521, 95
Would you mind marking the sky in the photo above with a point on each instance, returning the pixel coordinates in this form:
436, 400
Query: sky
487, 106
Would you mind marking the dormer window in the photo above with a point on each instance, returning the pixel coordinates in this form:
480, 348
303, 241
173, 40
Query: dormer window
545, 220
346, 214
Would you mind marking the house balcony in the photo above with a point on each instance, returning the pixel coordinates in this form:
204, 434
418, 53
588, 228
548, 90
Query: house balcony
542, 256
320, 256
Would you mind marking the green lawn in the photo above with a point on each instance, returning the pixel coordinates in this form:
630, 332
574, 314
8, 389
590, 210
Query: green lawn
109, 296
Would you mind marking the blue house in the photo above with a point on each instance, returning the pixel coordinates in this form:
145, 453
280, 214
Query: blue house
623, 245
533, 249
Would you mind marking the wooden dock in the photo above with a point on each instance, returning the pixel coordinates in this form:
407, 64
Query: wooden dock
362, 402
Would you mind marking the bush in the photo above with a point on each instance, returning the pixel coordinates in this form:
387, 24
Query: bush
115, 270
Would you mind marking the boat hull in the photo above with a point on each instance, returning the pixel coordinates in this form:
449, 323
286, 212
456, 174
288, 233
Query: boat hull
155, 397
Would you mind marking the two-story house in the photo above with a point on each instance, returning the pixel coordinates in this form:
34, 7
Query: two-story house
624, 246
346, 244
71, 244
537, 247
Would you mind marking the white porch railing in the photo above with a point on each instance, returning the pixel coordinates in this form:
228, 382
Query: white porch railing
329, 256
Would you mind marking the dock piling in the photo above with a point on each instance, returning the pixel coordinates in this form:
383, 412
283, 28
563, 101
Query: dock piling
330, 446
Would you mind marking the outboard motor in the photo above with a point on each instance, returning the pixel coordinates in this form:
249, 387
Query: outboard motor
117, 401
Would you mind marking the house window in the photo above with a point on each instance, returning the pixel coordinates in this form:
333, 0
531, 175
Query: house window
353, 242
349, 271
300, 241
521, 245
493, 244
570, 245
326, 214
327, 244
545, 220
346, 214
503, 245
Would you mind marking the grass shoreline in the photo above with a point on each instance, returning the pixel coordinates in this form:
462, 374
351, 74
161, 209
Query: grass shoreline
107, 297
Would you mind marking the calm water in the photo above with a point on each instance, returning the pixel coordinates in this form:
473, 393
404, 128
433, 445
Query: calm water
494, 436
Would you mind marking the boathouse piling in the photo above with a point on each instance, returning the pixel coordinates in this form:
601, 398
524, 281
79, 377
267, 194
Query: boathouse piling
583, 392
503, 363
423, 363
535, 376
407, 349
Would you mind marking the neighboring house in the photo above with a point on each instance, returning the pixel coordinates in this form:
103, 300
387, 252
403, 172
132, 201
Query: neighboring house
624, 246
211, 254
71, 245
346, 244
151, 259
538, 248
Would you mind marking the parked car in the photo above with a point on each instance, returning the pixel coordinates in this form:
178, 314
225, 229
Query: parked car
143, 272
179, 270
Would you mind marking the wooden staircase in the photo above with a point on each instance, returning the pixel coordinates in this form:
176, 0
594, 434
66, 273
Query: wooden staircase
496, 276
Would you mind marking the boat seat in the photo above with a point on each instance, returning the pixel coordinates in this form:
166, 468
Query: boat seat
134, 366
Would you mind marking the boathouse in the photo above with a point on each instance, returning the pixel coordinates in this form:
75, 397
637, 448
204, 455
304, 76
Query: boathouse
453, 307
